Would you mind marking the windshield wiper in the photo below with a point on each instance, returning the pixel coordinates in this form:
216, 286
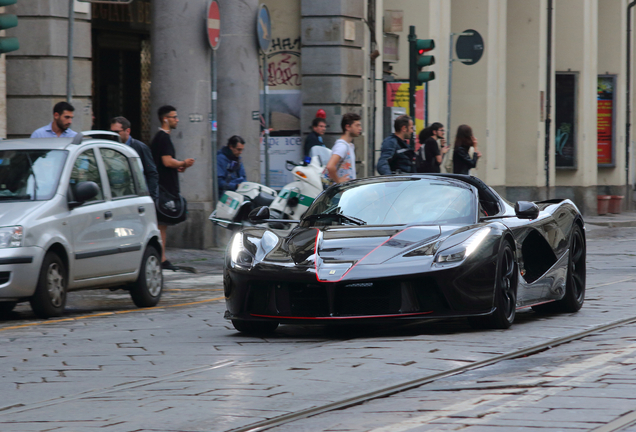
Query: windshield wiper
351, 219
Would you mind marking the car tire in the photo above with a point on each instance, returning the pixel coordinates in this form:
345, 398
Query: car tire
505, 293
255, 327
6, 308
574, 296
49, 299
146, 291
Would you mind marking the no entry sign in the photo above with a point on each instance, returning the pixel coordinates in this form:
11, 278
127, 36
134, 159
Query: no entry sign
214, 25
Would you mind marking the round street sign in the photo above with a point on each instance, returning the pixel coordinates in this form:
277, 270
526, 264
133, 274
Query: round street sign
214, 25
263, 28
469, 47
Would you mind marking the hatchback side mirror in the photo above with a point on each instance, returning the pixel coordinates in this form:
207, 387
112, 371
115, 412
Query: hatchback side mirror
526, 210
259, 214
82, 192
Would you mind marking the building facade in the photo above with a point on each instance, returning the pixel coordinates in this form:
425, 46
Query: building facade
547, 99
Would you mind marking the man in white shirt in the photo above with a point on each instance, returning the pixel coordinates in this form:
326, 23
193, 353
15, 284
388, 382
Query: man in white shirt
342, 164
60, 127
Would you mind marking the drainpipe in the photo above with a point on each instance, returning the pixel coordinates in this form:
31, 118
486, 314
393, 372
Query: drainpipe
548, 100
628, 113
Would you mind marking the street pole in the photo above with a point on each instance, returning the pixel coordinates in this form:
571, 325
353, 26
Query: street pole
214, 140
450, 89
412, 76
69, 62
265, 119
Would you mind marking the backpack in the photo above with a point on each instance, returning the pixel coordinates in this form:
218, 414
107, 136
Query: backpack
420, 160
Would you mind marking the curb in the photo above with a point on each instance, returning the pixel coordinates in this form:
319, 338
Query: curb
613, 224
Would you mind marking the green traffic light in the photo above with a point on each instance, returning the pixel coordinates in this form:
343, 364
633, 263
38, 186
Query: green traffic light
8, 21
423, 61
8, 45
423, 77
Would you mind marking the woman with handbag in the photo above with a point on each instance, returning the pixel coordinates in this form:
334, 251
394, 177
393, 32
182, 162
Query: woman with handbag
464, 140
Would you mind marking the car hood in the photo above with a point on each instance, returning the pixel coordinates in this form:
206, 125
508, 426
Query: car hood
13, 213
347, 245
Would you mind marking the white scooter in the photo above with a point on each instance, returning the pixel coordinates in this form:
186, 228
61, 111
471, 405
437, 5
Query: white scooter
296, 197
234, 206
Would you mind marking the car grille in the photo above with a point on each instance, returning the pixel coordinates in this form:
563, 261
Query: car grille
4, 277
347, 299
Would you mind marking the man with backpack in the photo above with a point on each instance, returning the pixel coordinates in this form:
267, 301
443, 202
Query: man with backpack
395, 155
429, 156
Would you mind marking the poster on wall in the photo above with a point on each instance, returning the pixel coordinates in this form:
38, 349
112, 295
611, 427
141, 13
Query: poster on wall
284, 96
397, 95
281, 149
565, 120
605, 120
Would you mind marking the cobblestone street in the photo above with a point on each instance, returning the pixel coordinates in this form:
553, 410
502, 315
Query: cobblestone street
182, 367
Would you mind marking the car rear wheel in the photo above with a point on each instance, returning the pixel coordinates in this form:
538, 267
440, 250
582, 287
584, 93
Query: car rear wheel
49, 298
574, 296
505, 293
146, 291
255, 327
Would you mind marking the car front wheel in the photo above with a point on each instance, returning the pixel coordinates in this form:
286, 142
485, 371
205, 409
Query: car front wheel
146, 291
49, 298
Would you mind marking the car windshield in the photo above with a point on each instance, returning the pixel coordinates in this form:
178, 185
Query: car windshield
30, 175
394, 202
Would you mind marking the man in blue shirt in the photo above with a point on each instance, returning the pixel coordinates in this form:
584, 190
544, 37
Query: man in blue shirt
60, 127
121, 125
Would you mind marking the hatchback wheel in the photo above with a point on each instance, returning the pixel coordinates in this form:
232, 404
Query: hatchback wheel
49, 298
146, 291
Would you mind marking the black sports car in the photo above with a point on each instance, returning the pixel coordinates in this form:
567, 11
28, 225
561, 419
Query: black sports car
408, 247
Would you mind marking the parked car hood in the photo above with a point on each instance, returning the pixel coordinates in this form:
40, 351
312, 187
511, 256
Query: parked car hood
13, 213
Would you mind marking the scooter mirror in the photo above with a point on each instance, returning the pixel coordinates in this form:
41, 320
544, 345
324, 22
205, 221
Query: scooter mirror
259, 214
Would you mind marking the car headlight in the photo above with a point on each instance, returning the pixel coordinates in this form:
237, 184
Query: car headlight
11, 237
239, 255
464, 249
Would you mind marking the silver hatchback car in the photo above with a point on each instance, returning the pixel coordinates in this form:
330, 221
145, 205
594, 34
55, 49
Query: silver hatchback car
75, 214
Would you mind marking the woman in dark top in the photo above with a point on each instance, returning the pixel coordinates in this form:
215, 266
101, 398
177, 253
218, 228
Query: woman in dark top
464, 139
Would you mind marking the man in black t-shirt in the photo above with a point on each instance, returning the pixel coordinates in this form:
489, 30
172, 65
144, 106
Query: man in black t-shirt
432, 154
168, 166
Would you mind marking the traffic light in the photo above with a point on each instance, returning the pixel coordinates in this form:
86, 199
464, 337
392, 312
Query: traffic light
420, 47
7, 21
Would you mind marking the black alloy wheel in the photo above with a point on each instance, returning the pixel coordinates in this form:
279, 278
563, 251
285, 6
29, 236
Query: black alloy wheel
574, 296
505, 293
255, 327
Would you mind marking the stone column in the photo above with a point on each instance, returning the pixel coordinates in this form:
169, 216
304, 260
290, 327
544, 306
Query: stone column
333, 64
478, 92
181, 77
576, 44
611, 18
239, 79
525, 85
36, 73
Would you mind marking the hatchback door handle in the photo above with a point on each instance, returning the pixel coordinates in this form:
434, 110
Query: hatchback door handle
141, 209
108, 215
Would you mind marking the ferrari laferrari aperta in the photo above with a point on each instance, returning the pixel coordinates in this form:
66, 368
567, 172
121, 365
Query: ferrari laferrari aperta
407, 247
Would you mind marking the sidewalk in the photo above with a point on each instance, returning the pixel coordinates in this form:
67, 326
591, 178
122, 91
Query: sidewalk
622, 220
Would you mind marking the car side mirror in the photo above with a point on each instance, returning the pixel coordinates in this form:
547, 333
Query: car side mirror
82, 192
526, 210
259, 214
